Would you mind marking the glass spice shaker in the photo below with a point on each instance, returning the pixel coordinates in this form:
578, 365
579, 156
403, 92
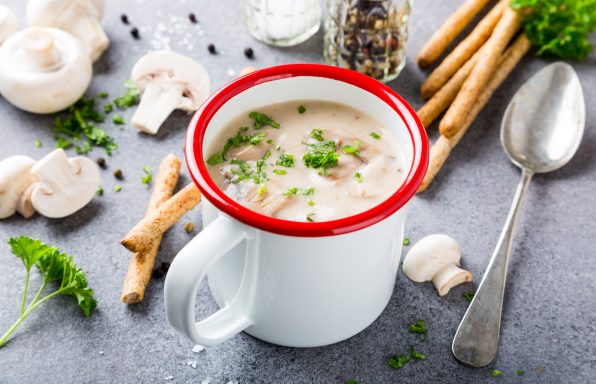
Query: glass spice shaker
368, 36
282, 22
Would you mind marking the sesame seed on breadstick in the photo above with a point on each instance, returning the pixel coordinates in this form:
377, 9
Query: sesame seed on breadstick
443, 146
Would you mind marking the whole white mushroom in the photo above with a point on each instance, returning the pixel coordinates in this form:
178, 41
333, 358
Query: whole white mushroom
436, 258
168, 81
16, 181
9, 24
81, 18
43, 70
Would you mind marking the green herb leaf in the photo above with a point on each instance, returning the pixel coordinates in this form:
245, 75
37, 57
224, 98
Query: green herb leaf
38, 143
559, 28
216, 158
317, 134
147, 175
280, 171
311, 203
375, 135
285, 160
130, 97
107, 108
468, 295
262, 120
358, 177
309, 217
118, 188
117, 119
520, 372
321, 156
301, 108
416, 355
243, 172
260, 176
257, 138
103, 95
495, 373
262, 190
53, 266
351, 382
406, 241
299, 191
418, 327
398, 361
99, 191
353, 148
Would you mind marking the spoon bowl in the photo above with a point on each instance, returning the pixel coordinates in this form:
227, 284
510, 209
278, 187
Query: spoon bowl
541, 131
544, 122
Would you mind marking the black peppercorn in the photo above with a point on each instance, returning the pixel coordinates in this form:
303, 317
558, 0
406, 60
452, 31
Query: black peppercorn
158, 273
118, 174
164, 266
101, 162
135, 33
249, 53
211, 49
124, 19
192, 18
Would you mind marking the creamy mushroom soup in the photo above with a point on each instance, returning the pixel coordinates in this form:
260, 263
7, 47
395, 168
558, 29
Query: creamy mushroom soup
306, 160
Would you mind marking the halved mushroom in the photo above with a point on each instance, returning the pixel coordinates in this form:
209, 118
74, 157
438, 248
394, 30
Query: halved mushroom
16, 181
9, 24
43, 70
65, 185
436, 257
78, 17
168, 81
268, 200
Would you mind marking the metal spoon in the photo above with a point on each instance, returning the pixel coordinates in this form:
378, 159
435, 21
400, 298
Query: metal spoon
540, 132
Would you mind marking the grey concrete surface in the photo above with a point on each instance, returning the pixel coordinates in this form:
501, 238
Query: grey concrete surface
549, 322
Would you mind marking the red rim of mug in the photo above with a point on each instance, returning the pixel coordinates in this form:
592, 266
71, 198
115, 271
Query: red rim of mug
200, 175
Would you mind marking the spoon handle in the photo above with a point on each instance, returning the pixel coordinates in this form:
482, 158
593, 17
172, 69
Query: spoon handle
477, 337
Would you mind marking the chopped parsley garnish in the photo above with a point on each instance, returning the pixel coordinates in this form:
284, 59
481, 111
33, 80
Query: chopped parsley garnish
103, 95
416, 355
301, 108
262, 190
358, 177
520, 372
117, 119
311, 203
353, 148
262, 120
37, 143
285, 160
398, 361
130, 97
375, 135
269, 141
257, 138
260, 175
418, 327
406, 241
309, 217
107, 108
118, 188
496, 373
299, 191
468, 295
351, 382
317, 134
321, 156
78, 123
280, 171
148, 175
242, 173
99, 191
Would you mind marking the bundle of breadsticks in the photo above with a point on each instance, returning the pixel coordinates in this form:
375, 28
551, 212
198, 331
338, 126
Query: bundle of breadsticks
163, 211
467, 77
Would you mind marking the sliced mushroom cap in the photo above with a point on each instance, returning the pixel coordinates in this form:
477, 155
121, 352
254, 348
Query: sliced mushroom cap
78, 17
65, 185
269, 201
43, 70
9, 24
168, 81
15, 180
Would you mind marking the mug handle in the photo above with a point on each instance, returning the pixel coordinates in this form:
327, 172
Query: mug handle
187, 271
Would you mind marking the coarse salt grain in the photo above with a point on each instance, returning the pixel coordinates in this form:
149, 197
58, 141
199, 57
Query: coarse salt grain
170, 377
231, 72
101, 352
197, 348
206, 380
192, 363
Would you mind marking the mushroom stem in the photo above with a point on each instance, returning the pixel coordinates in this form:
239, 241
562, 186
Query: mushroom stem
157, 103
449, 277
39, 51
91, 34
24, 205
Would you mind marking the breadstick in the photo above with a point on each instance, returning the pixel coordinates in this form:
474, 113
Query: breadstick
443, 146
141, 264
485, 67
442, 99
463, 51
140, 237
443, 36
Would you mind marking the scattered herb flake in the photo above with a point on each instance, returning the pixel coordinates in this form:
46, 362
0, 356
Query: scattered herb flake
520, 372
358, 177
38, 143
416, 355
147, 175
107, 108
468, 295
352, 149
418, 327
398, 361
269, 141
317, 134
351, 382
243, 171
103, 95
311, 203
99, 191
262, 190
300, 191
257, 138
260, 176
117, 119
375, 135
280, 171
406, 241
262, 120
321, 156
496, 373
285, 160
301, 108
309, 217
117, 188
130, 97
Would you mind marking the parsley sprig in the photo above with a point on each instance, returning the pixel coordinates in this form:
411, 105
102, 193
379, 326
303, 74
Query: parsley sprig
54, 266
559, 27
321, 155
262, 120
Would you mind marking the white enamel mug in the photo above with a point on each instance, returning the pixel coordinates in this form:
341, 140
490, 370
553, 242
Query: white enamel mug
296, 284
